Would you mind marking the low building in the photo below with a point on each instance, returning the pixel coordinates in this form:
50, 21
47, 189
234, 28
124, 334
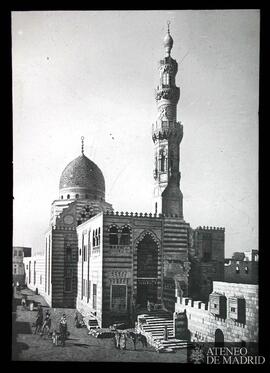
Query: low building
231, 315
19, 252
34, 273
242, 267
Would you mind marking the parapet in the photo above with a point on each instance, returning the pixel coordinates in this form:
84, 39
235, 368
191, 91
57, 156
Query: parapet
63, 228
211, 228
140, 214
196, 304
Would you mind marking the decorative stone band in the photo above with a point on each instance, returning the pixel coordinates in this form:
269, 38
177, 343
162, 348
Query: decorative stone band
147, 281
211, 228
167, 130
141, 215
63, 228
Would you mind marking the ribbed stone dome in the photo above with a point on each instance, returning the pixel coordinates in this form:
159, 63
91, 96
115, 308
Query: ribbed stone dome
82, 176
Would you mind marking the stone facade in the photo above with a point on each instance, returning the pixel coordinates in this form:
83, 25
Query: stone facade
131, 260
239, 322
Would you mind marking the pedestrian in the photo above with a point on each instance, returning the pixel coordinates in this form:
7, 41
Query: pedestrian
63, 329
77, 320
38, 324
117, 337
46, 323
165, 333
123, 341
23, 302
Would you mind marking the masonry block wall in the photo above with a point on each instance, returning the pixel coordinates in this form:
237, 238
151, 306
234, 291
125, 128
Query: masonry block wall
175, 243
203, 324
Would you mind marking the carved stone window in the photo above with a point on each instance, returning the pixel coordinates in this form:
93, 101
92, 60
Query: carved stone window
119, 297
113, 236
125, 236
68, 254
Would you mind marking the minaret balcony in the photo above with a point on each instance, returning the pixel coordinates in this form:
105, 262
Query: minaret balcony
171, 93
165, 129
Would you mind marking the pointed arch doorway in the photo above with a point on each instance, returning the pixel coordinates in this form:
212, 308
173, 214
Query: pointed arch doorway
147, 270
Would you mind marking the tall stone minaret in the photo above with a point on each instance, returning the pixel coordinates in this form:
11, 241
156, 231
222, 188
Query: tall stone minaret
167, 134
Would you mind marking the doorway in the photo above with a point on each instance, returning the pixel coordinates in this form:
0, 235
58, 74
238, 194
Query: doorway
147, 271
219, 338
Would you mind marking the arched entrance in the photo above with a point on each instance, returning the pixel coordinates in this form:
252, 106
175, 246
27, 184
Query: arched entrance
219, 338
147, 270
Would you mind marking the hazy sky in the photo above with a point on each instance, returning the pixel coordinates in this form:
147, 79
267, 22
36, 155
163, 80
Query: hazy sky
94, 74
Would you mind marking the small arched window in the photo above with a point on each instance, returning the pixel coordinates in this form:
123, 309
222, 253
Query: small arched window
68, 196
94, 239
77, 196
125, 236
113, 236
96, 234
61, 197
99, 236
86, 196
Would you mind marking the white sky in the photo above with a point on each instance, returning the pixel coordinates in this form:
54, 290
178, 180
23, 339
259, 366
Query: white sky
94, 74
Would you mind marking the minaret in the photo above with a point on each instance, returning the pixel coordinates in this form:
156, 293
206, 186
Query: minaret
167, 134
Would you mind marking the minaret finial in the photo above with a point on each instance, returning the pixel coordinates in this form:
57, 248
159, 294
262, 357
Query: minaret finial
168, 41
82, 138
168, 24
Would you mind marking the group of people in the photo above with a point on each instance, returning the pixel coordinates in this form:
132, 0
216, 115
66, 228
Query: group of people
121, 339
43, 326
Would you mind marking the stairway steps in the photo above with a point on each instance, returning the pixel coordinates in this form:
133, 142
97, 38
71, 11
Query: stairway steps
151, 321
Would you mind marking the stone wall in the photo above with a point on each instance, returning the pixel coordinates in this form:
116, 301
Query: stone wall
202, 324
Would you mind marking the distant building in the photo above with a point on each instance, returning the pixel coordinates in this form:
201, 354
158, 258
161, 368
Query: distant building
242, 267
19, 252
206, 256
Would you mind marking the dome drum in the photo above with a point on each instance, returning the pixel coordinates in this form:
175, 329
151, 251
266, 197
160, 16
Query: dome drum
81, 193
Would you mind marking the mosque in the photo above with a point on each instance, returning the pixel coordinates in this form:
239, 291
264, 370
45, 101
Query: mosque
109, 264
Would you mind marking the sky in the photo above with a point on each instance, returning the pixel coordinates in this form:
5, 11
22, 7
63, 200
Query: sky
93, 74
